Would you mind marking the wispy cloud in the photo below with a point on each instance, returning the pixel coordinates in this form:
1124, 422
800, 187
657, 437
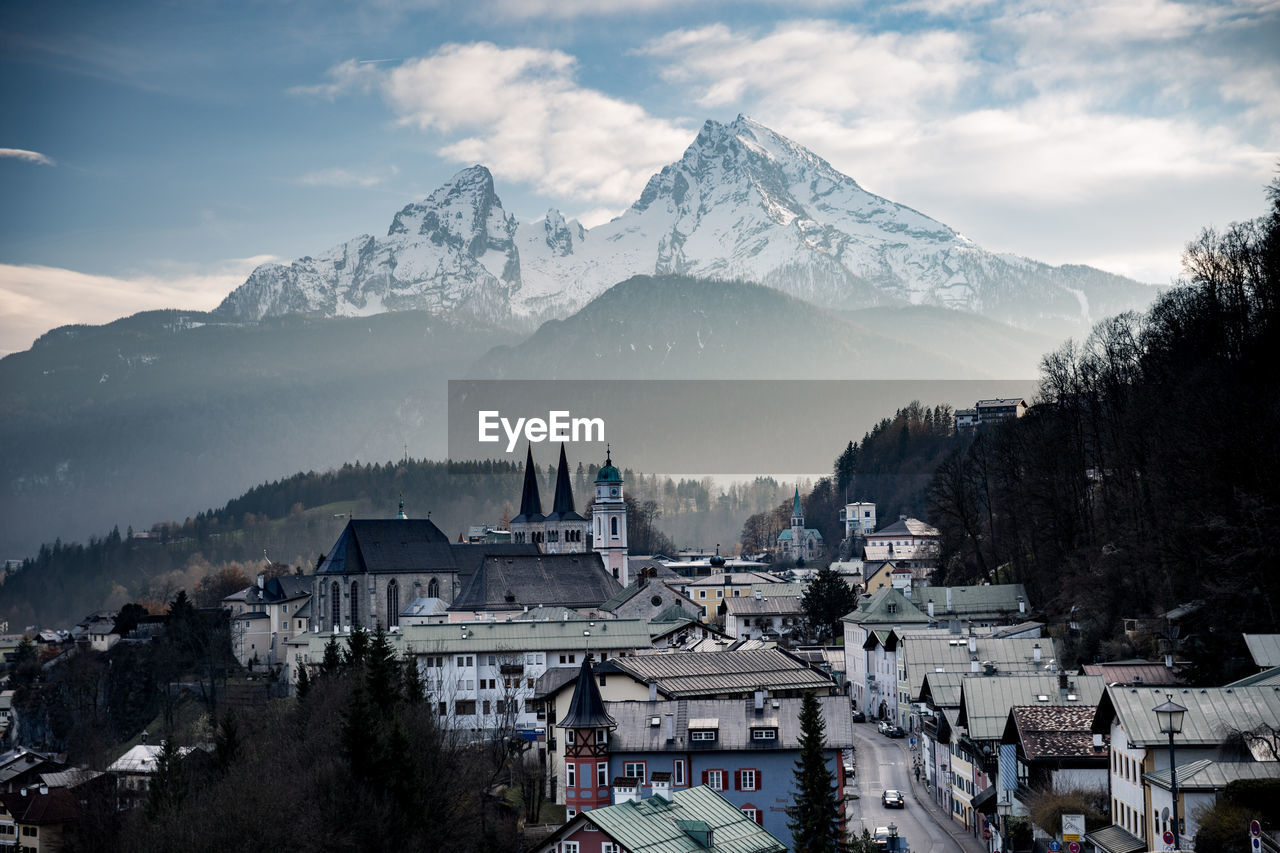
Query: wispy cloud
28, 156
35, 299
348, 178
522, 112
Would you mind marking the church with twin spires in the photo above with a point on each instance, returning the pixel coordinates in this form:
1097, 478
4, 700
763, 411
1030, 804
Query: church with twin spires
564, 530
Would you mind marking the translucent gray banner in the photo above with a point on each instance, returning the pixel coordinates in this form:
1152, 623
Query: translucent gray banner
734, 427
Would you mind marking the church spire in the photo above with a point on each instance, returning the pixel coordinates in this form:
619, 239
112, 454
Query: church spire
796, 511
530, 501
563, 504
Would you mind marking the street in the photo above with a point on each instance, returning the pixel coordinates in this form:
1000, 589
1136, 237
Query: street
882, 764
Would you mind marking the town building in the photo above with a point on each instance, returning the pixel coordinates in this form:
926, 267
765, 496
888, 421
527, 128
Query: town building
763, 616
709, 593
746, 751
999, 409
265, 616
1139, 748
858, 518
609, 520
563, 530
907, 543
33, 820
1200, 784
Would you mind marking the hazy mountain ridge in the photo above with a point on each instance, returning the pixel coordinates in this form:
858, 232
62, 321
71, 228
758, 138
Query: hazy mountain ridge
742, 204
675, 327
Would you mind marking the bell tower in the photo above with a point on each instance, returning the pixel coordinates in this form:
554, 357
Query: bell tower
609, 521
586, 746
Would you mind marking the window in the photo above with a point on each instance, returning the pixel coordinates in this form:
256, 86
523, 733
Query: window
286, 624
713, 779
748, 780
602, 774
752, 813
634, 770
355, 602
433, 588
487, 709
464, 707
570, 736
336, 606
702, 734
569, 846
571, 775
764, 734
602, 735
613, 527
610, 847
393, 603
30, 831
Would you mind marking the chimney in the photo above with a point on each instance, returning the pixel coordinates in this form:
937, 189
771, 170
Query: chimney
625, 790
1063, 683
44, 789
950, 609
653, 691
759, 702
1097, 743
1022, 604
989, 667
668, 728
1168, 661
262, 580
973, 665
758, 594
661, 783
930, 609
1035, 653
973, 645
953, 626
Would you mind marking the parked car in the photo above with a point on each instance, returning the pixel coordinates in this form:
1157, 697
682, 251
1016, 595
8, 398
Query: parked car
893, 800
895, 732
859, 717
883, 726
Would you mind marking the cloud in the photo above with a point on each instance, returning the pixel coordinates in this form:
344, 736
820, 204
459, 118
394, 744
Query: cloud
348, 178
35, 299
28, 156
345, 77
521, 112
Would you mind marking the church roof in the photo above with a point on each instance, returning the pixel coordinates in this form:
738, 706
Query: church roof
530, 500
388, 545
562, 508
608, 474
586, 709
515, 581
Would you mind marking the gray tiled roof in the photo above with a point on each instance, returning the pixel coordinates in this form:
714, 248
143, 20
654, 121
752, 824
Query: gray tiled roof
399, 545
1051, 731
751, 606
1212, 712
887, 607
950, 652
735, 717
1124, 673
515, 581
687, 674
907, 527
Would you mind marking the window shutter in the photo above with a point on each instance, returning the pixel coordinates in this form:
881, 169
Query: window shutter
704, 777
759, 781
737, 779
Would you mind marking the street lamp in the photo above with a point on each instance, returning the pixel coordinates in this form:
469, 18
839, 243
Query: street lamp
1169, 715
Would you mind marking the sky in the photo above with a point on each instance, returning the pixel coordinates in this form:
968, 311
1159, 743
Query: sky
153, 153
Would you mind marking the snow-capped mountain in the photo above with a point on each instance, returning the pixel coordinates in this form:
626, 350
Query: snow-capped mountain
743, 203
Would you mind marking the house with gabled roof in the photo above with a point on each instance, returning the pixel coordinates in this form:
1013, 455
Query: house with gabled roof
1264, 649
907, 543
744, 750
647, 597
696, 820
761, 615
34, 819
1200, 784
1214, 715
265, 616
872, 677
505, 584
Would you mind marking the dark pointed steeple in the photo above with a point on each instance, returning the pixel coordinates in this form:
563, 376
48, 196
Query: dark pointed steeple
562, 508
586, 710
530, 501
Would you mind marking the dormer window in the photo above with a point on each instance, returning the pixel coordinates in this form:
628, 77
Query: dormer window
769, 735
703, 735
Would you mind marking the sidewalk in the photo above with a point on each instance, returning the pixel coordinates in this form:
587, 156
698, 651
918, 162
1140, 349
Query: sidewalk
964, 841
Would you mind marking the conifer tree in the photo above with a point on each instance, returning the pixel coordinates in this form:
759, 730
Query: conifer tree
815, 823
357, 647
382, 671
415, 689
303, 684
332, 661
168, 784
226, 743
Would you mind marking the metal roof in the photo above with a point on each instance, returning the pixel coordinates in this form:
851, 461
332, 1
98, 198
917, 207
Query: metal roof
887, 607
944, 688
985, 700
490, 637
749, 605
1212, 712
1265, 649
1267, 678
687, 674
1128, 673
1115, 839
1209, 775
586, 708
734, 718
950, 652
514, 581
907, 527
972, 601
653, 825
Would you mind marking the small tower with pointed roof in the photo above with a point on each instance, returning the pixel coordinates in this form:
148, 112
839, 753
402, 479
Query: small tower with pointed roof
561, 531
799, 542
528, 525
586, 745
609, 521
